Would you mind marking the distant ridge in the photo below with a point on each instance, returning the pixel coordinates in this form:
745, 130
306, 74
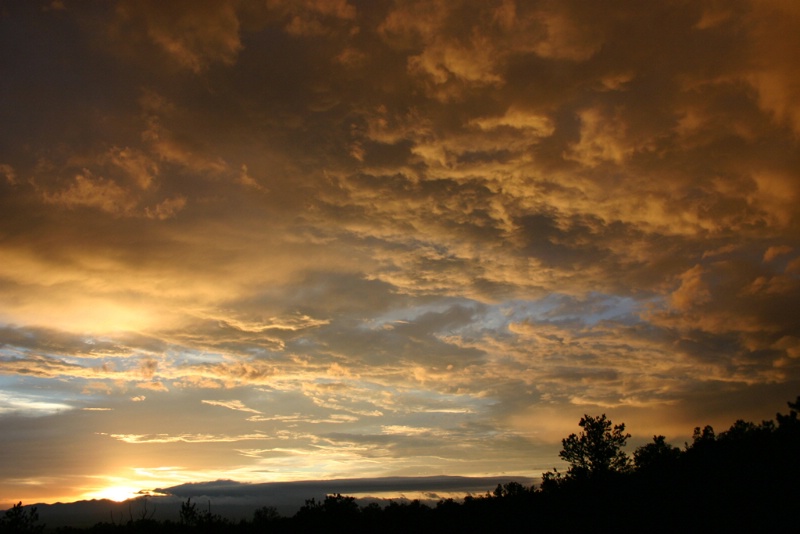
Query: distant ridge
238, 500
228, 488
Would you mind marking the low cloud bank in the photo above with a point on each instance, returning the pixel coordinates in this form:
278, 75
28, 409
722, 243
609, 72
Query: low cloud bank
236, 500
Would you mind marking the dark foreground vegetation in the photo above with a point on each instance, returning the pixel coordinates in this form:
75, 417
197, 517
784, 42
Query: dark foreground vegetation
745, 479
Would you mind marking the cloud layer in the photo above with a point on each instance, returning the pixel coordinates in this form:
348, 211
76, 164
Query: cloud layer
294, 240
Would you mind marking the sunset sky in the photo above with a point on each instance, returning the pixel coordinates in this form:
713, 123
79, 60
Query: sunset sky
278, 240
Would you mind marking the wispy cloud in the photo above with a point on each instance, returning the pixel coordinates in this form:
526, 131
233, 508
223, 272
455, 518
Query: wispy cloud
231, 405
184, 438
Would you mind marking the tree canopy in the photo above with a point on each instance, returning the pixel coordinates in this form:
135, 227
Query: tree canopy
597, 449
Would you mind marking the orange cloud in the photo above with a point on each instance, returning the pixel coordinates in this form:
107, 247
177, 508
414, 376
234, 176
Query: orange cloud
96, 193
195, 34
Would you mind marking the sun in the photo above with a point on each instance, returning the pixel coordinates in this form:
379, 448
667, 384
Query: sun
116, 493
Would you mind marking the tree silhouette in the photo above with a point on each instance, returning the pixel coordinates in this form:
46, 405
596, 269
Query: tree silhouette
192, 516
265, 515
658, 455
20, 520
596, 450
189, 514
789, 422
510, 490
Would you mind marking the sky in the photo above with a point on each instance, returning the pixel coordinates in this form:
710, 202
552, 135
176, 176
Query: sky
281, 240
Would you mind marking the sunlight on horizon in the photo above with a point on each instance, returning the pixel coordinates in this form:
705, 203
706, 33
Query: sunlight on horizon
114, 493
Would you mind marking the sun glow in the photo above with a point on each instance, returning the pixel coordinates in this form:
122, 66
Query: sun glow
116, 493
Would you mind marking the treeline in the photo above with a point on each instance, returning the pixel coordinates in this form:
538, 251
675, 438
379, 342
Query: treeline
743, 479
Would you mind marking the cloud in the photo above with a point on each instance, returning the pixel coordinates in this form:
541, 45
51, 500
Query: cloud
154, 385
178, 149
41, 366
30, 405
452, 58
148, 367
692, 290
776, 251
194, 34
298, 418
94, 192
289, 323
312, 17
232, 405
565, 36
520, 120
775, 47
602, 139
141, 169
167, 209
8, 172
184, 438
